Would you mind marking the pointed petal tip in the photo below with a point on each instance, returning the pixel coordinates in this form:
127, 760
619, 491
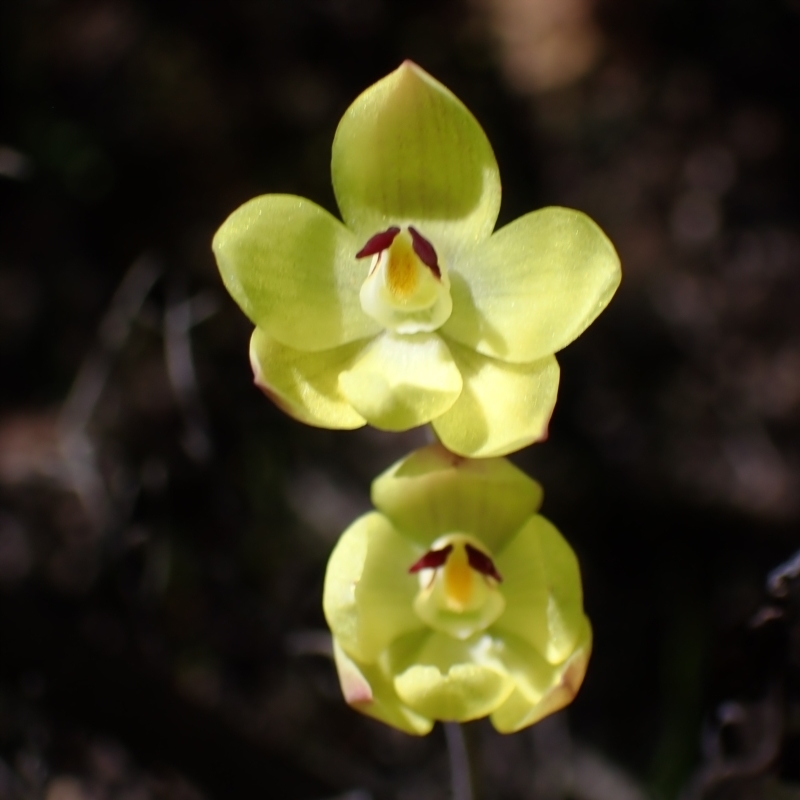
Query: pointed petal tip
411, 66
412, 72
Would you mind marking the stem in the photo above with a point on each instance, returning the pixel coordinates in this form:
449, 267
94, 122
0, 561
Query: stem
460, 776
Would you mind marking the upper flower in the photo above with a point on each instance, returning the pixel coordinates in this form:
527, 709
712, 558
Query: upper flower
413, 311
455, 599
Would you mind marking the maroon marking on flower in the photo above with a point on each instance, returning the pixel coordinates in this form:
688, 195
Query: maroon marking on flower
433, 559
378, 243
480, 562
424, 249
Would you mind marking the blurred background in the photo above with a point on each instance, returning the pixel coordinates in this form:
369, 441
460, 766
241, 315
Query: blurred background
164, 528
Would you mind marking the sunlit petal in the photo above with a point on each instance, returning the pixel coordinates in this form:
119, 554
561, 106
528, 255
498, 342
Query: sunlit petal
502, 408
542, 587
408, 151
534, 286
399, 382
540, 692
432, 491
305, 384
368, 592
291, 267
367, 689
454, 680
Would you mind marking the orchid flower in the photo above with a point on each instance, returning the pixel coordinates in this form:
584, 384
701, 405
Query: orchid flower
413, 311
455, 600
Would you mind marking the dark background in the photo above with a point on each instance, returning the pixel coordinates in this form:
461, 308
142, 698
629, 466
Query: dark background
164, 528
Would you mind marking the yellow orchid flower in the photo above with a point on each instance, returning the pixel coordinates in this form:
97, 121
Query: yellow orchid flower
455, 599
413, 311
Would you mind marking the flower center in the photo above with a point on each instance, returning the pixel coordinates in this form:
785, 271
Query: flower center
458, 586
406, 289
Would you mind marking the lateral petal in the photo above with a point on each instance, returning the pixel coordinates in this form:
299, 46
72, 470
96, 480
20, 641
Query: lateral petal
542, 589
368, 593
533, 286
292, 269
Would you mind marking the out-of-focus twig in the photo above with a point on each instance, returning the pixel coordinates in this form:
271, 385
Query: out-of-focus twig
76, 446
564, 767
759, 727
181, 316
779, 580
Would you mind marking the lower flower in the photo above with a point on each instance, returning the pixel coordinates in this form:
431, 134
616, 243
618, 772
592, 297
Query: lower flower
456, 600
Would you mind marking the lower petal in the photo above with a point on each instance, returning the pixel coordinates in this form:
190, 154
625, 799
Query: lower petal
450, 679
369, 691
399, 382
537, 694
502, 408
303, 384
464, 692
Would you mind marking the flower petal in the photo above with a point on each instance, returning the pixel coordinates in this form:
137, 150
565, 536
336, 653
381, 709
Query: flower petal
538, 694
542, 587
453, 680
368, 690
464, 692
408, 151
432, 492
368, 592
399, 382
502, 408
291, 267
305, 385
534, 286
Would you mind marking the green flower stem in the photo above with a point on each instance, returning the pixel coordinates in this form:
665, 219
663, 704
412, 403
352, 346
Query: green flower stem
460, 768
